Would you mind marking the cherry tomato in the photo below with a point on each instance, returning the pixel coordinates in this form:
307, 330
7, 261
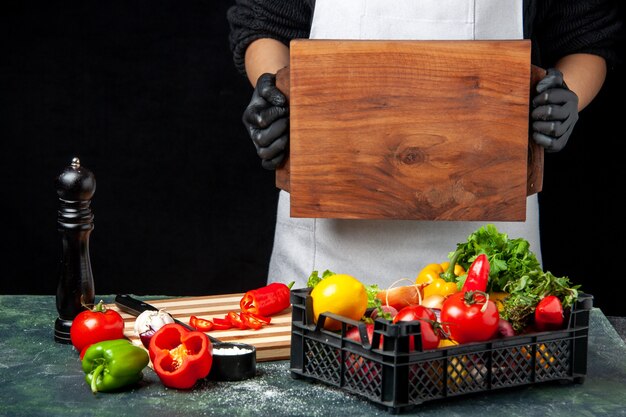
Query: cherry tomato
469, 316
428, 325
96, 325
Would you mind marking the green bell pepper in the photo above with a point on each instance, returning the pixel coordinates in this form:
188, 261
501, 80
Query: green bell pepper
113, 364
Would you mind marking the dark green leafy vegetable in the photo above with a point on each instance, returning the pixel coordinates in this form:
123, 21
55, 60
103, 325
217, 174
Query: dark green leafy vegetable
515, 270
508, 258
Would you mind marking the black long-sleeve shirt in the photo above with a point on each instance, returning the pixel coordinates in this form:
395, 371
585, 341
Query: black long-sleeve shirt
555, 27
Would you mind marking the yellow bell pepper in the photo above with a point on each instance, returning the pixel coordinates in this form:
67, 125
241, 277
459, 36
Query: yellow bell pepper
458, 269
434, 271
429, 274
498, 298
441, 287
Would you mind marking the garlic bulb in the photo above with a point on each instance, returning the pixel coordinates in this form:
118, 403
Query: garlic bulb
152, 320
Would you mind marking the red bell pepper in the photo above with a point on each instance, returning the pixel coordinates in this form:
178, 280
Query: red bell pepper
549, 314
477, 275
180, 357
268, 300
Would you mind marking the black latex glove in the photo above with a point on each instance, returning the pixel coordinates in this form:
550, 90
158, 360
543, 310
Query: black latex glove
267, 120
555, 112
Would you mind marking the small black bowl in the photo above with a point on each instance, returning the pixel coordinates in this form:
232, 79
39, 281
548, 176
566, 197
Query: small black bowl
232, 366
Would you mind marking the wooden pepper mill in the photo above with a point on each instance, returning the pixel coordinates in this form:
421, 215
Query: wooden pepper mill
75, 188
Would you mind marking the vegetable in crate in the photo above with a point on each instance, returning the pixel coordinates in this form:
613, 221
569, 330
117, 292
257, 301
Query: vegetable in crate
180, 357
477, 275
113, 364
469, 316
514, 270
442, 270
549, 314
430, 328
399, 297
339, 294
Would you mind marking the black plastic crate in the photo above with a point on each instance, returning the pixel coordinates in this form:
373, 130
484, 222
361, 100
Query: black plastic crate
398, 380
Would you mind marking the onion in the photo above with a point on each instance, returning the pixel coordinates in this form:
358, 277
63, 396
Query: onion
505, 329
433, 301
148, 322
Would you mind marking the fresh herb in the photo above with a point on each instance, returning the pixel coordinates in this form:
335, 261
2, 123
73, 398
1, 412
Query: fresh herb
508, 258
314, 278
514, 269
527, 290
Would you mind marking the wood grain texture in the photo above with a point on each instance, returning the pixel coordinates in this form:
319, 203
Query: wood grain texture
429, 130
273, 342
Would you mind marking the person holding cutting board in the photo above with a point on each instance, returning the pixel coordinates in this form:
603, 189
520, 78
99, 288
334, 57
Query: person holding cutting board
574, 40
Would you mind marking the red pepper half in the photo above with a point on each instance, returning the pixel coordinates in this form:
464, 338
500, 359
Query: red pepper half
477, 275
180, 357
268, 300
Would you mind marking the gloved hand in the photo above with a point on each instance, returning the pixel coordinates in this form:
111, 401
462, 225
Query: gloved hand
555, 112
267, 121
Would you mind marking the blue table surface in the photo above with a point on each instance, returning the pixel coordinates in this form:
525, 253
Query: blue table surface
40, 377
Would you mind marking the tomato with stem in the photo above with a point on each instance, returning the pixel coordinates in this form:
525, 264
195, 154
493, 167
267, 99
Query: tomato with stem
470, 316
429, 327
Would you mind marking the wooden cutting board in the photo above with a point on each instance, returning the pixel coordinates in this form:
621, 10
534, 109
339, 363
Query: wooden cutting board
425, 130
273, 342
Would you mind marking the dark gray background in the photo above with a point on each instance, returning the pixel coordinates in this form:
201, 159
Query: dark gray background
146, 95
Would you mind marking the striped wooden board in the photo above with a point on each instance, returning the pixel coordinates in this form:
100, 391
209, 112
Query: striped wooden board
273, 342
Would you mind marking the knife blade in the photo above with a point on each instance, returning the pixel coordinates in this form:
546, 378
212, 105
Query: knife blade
135, 307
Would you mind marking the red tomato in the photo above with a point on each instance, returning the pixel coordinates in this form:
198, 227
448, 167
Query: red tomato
428, 325
355, 334
469, 317
92, 326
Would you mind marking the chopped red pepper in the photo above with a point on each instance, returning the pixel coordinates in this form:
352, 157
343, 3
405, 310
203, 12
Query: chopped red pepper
252, 321
180, 357
477, 275
268, 300
222, 324
200, 324
236, 320
262, 319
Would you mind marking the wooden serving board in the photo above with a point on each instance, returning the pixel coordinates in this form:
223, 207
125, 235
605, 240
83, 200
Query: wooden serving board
424, 130
273, 341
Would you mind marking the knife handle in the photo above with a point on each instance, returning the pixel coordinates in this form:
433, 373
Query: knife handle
132, 305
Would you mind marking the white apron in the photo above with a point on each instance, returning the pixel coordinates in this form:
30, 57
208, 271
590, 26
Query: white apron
383, 251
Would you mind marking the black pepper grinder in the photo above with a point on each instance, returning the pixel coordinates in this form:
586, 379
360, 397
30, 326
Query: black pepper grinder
75, 188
